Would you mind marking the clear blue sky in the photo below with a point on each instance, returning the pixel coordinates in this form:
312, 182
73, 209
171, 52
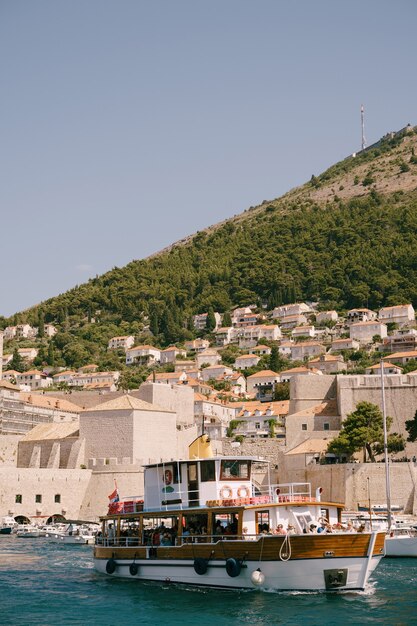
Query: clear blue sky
127, 125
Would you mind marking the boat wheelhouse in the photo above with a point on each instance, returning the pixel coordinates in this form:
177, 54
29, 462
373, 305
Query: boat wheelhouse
208, 521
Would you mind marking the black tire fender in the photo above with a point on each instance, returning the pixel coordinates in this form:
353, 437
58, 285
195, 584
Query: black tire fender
233, 567
111, 566
200, 566
133, 569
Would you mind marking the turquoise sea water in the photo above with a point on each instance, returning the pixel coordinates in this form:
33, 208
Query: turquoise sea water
48, 584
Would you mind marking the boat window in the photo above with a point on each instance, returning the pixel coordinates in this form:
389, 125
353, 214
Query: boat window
194, 528
234, 470
160, 531
225, 525
304, 520
207, 470
262, 522
192, 472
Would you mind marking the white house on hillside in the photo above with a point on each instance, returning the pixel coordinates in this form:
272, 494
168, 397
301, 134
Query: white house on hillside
364, 331
200, 320
208, 357
326, 316
289, 310
142, 355
169, 355
400, 314
303, 331
306, 350
245, 361
124, 342
360, 315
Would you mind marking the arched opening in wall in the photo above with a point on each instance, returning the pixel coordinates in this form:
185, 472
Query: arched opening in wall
22, 519
56, 519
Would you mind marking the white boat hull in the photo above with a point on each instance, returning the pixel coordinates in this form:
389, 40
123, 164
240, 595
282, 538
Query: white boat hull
302, 575
401, 546
72, 539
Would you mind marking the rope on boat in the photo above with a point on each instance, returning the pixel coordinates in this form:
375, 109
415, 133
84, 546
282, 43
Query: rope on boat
285, 549
262, 548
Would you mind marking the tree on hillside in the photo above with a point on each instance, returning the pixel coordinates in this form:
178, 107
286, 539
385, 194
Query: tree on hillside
153, 322
363, 429
411, 428
281, 391
227, 320
210, 320
17, 362
51, 354
274, 359
41, 324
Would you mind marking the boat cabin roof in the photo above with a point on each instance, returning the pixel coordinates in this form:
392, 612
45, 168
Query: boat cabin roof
254, 459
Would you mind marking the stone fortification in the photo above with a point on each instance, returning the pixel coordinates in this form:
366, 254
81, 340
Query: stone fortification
307, 391
178, 398
8, 450
400, 395
348, 483
61, 492
129, 481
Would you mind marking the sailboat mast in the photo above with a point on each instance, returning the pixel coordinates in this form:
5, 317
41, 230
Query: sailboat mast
386, 457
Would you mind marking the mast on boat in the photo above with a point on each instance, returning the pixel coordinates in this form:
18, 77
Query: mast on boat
386, 457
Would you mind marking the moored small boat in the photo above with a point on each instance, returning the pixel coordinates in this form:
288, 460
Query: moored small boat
75, 532
28, 531
7, 525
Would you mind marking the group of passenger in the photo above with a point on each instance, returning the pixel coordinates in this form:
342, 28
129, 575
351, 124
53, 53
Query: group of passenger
323, 526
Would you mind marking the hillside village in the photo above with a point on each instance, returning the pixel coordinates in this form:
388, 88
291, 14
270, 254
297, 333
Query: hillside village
265, 332
278, 383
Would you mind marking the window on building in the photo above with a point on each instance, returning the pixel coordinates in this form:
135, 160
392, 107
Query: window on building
18, 498
38, 498
303, 426
57, 498
257, 425
326, 426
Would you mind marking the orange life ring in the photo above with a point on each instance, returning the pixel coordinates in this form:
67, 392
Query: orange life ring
243, 492
226, 492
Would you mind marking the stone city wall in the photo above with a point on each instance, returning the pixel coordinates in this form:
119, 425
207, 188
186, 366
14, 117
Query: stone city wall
69, 485
348, 483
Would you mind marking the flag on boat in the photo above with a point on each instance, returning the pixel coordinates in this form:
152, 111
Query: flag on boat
114, 496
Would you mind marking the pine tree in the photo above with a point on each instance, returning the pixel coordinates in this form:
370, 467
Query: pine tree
17, 362
274, 359
211, 320
41, 324
51, 354
227, 320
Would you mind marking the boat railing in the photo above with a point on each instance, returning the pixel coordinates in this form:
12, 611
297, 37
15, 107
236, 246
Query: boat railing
290, 492
126, 505
127, 542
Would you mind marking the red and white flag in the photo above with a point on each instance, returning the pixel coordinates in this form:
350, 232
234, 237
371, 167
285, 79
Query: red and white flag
114, 496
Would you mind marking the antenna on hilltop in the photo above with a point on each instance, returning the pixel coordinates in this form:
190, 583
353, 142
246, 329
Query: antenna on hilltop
363, 127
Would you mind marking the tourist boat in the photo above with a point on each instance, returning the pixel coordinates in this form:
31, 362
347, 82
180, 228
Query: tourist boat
207, 522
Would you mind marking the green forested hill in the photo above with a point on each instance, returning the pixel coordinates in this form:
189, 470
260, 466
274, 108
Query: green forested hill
346, 238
